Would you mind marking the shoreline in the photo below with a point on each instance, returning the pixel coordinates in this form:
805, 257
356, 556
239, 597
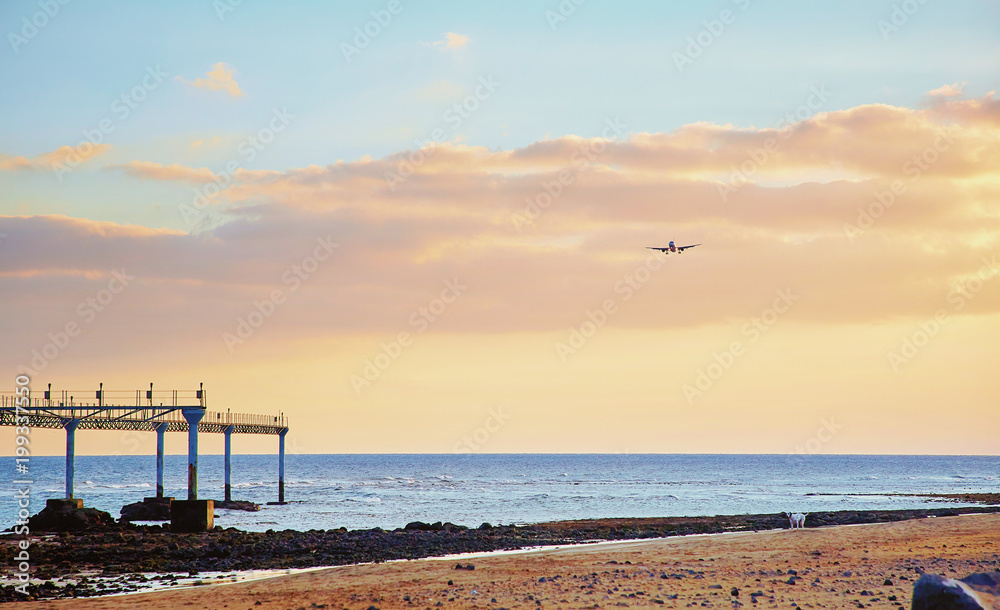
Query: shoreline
871, 565
120, 555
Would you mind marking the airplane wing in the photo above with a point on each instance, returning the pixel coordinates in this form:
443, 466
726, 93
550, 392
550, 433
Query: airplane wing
664, 250
683, 248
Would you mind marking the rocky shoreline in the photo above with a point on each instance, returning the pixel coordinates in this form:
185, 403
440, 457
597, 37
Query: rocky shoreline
121, 552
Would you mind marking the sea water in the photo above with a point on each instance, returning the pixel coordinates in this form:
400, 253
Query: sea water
389, 491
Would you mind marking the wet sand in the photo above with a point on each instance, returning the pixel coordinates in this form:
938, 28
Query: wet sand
874, 565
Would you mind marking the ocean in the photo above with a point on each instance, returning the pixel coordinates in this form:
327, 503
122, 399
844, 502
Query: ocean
389, 491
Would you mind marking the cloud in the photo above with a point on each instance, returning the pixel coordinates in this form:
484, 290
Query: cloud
979, 111
148, 170
64, 155
589, 206
14, 163
948, 90
451, 41
212, 142
219, 78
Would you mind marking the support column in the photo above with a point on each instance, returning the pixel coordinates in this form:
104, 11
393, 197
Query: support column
229, 461
193, 416
161, 429
281, 466
70, 454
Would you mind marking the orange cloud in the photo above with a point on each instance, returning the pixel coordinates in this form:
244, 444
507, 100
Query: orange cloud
948, 90
907, 214
219, 78
148, 170
979, 111
64, 155
451, 41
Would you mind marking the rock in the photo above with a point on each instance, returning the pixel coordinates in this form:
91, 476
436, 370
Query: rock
150, 509
986, 582
974, 592
237, 505
59, 516
467, 566
735, 592
426, 527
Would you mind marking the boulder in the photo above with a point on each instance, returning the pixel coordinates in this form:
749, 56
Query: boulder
974, 592
237, 505
69, 516
425, 527
150, 509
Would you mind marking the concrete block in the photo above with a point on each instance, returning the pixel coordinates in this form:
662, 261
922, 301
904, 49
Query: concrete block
64, 503
192, 515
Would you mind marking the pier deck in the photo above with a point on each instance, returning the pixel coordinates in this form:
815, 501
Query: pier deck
159, 411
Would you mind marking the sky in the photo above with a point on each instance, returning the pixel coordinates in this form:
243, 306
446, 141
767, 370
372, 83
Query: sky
423, 226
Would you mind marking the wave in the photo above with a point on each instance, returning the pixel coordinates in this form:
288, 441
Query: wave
254, 484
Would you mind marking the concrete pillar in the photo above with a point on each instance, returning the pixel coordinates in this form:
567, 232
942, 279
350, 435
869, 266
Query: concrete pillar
281, 466
70, 454
229, 461
161, 430
193, 416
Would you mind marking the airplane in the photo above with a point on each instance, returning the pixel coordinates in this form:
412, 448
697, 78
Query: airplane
672, 248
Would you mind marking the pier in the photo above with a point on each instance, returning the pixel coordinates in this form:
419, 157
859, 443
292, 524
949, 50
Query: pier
160, 411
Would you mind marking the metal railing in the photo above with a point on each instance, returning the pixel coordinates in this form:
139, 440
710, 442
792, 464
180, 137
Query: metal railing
104, 408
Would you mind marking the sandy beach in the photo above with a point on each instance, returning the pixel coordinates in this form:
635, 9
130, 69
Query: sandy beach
872, 565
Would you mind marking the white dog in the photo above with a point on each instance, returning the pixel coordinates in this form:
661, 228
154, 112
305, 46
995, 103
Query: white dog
797, 520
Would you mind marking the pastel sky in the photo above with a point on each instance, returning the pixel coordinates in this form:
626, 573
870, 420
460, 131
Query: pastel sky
422, 226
